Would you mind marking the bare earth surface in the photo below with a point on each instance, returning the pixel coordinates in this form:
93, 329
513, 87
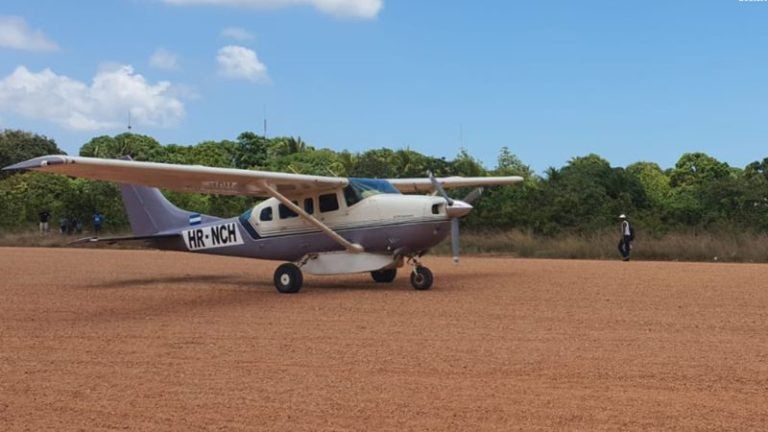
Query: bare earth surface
145, 340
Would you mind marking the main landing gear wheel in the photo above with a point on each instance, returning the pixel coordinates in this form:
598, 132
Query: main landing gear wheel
288, 278
421, 278
384, 276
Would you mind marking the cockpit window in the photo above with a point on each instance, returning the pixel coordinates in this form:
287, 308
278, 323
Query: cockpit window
359, 189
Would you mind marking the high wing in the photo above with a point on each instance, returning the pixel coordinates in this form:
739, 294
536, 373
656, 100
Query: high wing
425, 184
184, 178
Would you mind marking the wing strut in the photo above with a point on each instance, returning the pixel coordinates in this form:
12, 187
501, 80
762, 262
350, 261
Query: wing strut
351, 247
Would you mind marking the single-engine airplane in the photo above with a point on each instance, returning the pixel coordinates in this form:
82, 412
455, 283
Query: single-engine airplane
318, 224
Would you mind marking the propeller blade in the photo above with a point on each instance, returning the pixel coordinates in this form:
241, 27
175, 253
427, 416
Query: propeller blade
438, 187
473, 196
455, 239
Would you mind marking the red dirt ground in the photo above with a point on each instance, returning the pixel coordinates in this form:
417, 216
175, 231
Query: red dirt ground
146, 340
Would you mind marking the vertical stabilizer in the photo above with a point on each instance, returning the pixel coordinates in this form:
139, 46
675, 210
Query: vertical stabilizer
149, 212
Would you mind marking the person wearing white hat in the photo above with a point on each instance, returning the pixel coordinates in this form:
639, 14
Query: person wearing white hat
627, 235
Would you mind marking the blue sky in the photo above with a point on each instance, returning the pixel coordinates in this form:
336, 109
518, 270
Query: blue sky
550, 80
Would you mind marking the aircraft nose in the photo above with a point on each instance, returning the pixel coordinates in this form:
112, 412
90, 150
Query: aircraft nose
458, 209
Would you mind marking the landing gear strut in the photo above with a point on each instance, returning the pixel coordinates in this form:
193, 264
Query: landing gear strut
421, 277
288, 278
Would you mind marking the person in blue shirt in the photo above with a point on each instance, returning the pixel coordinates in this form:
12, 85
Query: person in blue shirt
98, 219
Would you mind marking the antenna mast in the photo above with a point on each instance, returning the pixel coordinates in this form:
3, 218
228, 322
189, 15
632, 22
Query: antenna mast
265, 121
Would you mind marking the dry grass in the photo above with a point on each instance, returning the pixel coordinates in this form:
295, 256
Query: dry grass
726, 247
34, 238
55, 239
729, 247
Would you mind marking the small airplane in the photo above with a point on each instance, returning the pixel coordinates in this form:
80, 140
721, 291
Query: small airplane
318, 224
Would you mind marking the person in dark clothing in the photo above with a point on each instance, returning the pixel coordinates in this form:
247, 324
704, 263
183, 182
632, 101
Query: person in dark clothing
44, 216
627, 236
63, 224
72, 229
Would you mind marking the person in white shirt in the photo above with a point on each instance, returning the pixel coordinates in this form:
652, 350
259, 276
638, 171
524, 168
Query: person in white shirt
627, 235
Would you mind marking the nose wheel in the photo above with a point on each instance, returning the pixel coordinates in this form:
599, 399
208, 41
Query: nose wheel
421, 278
288, 278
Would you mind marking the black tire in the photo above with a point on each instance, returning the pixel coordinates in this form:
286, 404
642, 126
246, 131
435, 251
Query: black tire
384, 276
288, 278
421, 278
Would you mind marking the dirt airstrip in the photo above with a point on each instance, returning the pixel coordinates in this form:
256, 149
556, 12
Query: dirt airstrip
147, 340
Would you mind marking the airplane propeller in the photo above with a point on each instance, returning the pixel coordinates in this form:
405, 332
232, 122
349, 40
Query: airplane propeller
473, 196
455, 210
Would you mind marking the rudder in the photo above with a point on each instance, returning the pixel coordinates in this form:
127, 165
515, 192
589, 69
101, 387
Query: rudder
149, 212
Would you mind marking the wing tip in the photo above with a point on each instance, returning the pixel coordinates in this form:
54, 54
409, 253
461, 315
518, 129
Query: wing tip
38, 162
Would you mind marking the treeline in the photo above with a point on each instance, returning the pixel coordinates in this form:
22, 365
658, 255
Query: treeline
699, 194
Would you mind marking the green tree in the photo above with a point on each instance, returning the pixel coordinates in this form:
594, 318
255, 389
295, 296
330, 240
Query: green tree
508, 206
585, 195
694, 169
285, 146
316, 162
17, 146
466, 165
654, 181
376, 163
252, 151
509, 164
213, 153
138, 147
753, 199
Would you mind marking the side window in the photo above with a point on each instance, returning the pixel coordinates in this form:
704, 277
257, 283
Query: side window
309, 205
285, 212
266, 214
328, 202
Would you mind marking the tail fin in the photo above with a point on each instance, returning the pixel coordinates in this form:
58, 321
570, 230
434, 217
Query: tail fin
149, 212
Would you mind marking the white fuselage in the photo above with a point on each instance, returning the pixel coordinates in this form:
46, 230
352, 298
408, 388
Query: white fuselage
270, 218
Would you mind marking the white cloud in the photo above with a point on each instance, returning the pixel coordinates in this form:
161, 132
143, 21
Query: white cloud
237, 33
340, 8
240, 62
104, 104
15, 34
164, 59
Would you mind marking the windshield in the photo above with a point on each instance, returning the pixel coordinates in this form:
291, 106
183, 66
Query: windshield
359, 189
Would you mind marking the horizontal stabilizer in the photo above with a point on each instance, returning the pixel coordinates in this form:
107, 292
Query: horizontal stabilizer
113, 240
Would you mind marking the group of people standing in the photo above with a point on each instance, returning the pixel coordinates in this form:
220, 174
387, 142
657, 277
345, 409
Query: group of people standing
69, 225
